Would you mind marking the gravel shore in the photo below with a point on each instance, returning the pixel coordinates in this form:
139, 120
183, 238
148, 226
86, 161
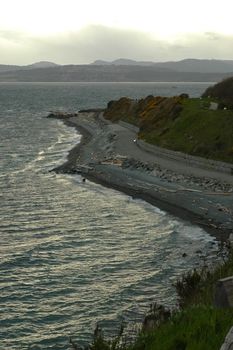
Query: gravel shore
109, 155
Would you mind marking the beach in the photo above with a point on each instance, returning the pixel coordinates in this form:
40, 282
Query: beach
110, 154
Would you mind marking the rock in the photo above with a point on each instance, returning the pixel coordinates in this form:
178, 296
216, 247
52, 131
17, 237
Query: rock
230, 239
223, 297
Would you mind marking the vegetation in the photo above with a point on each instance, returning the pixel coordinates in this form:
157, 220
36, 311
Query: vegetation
144, 113
196, 325
222, 92
196, 328
179, 123
190, 126
197, 130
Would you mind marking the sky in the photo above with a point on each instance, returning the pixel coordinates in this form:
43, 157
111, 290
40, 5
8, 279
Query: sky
82, 31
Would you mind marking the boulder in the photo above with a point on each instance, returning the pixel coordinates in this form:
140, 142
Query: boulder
223, 297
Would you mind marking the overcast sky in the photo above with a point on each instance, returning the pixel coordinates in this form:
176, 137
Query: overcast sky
81, 31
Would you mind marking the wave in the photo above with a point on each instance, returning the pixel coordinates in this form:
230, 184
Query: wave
74, 254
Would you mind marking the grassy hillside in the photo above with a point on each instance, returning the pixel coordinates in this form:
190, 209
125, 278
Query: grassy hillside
180, 123
222, 92
197, 130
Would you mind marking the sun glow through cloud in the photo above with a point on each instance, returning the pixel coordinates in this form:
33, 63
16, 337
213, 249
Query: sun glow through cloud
160, 18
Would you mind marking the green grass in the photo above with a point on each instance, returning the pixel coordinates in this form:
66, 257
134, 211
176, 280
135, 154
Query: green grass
198, 131
195, 328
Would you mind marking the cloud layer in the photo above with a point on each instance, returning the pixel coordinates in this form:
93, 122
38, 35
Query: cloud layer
99, 42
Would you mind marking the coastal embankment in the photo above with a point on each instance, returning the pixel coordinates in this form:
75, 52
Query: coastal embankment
110, 154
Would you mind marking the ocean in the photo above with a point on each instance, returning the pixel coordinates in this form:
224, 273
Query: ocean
75, 254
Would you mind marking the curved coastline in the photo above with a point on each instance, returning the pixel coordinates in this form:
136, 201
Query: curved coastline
105, 155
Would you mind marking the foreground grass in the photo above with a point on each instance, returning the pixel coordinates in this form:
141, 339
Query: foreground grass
195, 328
197, 325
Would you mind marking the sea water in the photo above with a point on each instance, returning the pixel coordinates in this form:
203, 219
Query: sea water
75, 254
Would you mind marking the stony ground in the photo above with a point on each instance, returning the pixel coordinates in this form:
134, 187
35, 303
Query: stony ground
109, 155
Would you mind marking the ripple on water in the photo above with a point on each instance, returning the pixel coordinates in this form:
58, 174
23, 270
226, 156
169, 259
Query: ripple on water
72, 267
74, 254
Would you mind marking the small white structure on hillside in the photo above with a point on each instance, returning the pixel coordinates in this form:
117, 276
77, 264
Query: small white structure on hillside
213, 106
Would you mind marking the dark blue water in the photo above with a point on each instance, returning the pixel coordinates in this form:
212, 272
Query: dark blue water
75, 254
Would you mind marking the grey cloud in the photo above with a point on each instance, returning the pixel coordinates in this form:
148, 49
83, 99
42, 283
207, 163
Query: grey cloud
11, 36
212, 35
98, 42
105, 43
213, 45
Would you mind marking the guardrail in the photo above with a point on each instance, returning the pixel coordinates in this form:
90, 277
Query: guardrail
179, 156
187, 158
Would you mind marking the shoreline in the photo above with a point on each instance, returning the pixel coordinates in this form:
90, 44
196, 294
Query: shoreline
101, 155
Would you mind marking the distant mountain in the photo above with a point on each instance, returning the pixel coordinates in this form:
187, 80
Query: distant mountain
187, 65
106, 73
124, 62
121, 70
101, 63
200, 66
42, 64
7, 68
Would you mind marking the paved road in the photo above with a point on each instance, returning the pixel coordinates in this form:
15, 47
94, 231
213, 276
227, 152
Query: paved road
126, 146
182, 198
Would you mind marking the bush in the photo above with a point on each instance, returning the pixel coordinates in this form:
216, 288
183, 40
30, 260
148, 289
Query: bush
223, 92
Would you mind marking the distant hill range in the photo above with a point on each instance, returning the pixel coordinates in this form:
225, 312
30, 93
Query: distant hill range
13, 68
120, 70
187, 65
